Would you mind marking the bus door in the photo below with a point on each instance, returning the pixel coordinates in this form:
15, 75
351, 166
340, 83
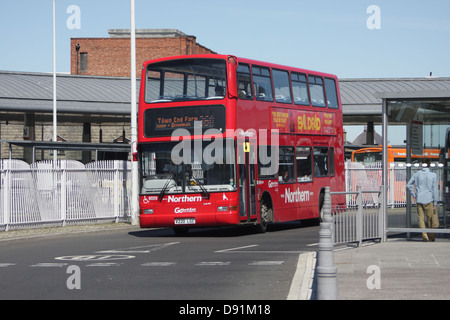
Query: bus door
247, 179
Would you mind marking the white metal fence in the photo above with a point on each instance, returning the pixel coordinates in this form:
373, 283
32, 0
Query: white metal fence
369, 177
361, 220
63, 192
68, 191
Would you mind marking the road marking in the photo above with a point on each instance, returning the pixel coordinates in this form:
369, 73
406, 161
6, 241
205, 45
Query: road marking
213, 263
141, 249
49, 264
5, 265
158, 264
312, 244
302, 283
266, 263
93, 257
104, 264
238, 248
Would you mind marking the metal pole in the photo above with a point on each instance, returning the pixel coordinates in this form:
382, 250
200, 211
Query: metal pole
134, 164
55, 132
381, 224
385, 165
359, 223
326, 271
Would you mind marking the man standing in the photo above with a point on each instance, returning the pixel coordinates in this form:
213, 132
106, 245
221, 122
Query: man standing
426, 195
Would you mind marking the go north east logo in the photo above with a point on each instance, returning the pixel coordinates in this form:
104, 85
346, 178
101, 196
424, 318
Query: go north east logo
296, 196
184, 198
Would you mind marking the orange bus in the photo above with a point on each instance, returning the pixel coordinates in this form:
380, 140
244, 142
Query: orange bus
395, 154
371, 157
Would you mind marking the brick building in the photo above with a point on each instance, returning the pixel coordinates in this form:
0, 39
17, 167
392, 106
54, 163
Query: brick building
84, 115
111, 56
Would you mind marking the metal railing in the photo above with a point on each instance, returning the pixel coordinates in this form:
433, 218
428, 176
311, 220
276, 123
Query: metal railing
63, 192
358, 221
369, 177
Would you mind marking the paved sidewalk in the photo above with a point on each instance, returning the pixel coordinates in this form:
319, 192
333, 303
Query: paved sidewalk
408, 270
66, 230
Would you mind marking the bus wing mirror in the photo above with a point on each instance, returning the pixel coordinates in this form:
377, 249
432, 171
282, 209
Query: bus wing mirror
232, 86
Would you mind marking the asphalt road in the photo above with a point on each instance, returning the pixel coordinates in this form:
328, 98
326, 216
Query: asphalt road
133, 263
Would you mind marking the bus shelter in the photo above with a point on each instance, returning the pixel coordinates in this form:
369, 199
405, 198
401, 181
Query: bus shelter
423, 119
115, 149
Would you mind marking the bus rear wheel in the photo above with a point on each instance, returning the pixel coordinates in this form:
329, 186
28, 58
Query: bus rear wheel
265, 216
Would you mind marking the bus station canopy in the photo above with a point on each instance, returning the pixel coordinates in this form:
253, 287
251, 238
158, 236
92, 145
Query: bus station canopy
362, 98
107, 99
66, 146
83, 146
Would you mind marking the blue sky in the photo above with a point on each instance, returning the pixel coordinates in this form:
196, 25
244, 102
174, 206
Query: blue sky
330, 36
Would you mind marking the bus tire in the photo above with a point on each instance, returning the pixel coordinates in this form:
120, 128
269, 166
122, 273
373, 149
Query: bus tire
265, 216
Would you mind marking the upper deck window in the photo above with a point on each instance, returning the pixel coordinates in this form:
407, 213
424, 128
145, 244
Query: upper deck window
262, 83
281, 86
330, 88
244, 82
316, 90
186, 79
300, 88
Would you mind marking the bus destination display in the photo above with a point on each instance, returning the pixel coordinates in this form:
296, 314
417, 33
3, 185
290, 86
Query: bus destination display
163, 121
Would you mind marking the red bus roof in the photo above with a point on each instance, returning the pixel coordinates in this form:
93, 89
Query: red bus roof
243, 60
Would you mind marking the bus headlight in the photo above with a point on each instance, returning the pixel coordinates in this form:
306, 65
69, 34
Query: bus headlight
147, 211
222, 208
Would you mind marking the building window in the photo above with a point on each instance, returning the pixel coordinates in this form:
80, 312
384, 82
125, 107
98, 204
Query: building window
83, 61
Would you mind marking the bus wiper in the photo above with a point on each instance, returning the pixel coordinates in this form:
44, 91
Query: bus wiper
166, 186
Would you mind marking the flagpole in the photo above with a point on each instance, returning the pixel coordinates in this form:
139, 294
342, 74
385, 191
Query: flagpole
55, 132
134, 163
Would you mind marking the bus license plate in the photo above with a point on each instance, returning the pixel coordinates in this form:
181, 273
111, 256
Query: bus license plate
185, 221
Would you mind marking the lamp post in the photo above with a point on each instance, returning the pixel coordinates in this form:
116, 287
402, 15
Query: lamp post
77, 48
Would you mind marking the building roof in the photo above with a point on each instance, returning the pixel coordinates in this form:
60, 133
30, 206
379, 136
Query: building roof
362, 98
148, 33
33, 92
28, 92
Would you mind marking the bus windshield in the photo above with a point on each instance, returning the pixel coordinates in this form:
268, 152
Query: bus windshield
186, 79
368, 157
161, 174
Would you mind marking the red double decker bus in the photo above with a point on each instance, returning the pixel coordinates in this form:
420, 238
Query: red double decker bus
228, 141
